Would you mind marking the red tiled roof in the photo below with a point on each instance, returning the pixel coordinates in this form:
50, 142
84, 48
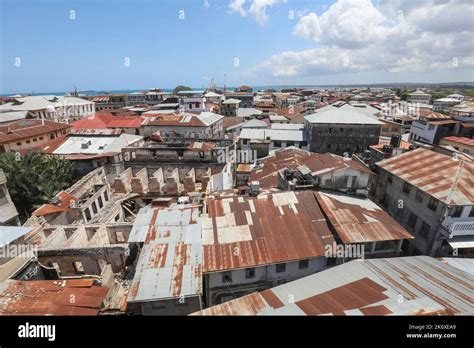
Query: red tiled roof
107, 121
24, 129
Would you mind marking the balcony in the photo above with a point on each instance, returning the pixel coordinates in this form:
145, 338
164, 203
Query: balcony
460, 227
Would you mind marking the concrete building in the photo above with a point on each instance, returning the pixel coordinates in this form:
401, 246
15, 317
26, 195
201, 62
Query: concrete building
56, 108
445, 104
342, 131
253, 243
296, 169
28, 134
89, 201
230, 107
205, 125
266, 141
8, 212
417, 285
193, 101
109, 101
246, 98
431, 195
419, 97
429, 127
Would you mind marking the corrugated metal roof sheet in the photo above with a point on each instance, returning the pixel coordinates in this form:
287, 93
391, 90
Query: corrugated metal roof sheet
417, 285
242, 231
358, 220
170, 263
292, 158
51, 297
448, 179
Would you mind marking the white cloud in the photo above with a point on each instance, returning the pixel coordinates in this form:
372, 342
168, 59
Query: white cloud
257, 9
396, 36
238, 6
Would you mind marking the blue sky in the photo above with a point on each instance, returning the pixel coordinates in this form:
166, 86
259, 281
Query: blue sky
58, 52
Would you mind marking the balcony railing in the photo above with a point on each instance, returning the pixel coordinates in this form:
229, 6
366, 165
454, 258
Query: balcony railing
463, 227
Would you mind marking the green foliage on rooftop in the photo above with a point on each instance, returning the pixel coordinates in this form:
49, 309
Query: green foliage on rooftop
33, 178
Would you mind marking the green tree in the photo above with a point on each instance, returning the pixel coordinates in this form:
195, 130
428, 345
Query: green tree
33, 178
181, 88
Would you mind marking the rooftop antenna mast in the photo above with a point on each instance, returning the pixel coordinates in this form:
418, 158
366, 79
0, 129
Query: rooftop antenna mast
225, 82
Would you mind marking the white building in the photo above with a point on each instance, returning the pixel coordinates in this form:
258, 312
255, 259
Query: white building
445, 104
275, 138
57, 108
419, 97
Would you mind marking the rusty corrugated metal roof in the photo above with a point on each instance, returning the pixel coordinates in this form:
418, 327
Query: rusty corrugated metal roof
170, 262
416, 285
358, 220
51, 297
292, 158
448, 179
242, 231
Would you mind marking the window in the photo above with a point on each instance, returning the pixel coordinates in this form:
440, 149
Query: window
28, 141
412, 220
250, 273
424, 230
433, 204
94, 207
245, 141
342, 130
328, 147
280, 268
406, 188
290, 143
303, 144
227, 277
101, 203
277, 143
41, 138
78, 267
157, 305
88, 214
456, 212
390, 178
106, 196
35, 139
18, 144
471, 214
419, 195
304, 264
